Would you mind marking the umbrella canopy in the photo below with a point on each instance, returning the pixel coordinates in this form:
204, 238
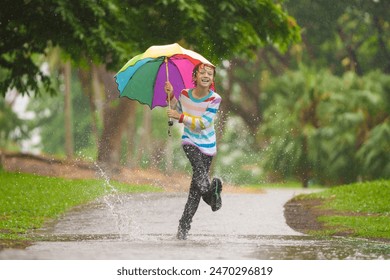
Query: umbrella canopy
143, 77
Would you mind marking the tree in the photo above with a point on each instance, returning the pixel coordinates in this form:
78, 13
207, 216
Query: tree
69, 150
355, 130
330, 129
99, 31
81, 28
290, 124
242, 83
214, 34
344, 35
109, 32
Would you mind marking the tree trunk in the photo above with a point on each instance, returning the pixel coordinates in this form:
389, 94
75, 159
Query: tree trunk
89, 89
354, 63
131, 137
248, 107
95, 102
304, 164
69, 149
2, 160
382, 44
116, 113
309, 48
144, 150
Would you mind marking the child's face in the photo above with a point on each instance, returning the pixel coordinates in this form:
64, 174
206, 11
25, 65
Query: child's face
204, 76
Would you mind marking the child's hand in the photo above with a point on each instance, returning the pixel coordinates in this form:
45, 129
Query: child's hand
168, 88
173, 114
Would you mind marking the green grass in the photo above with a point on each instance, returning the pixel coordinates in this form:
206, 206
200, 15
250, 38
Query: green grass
369, 197
361, 209
366, 227
28, 201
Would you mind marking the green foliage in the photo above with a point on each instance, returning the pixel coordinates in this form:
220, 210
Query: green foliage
81, 28
342, 35
208, 27
375, 153
290, 123
328, 128
111, 31
357, 115
318, 127
27, 201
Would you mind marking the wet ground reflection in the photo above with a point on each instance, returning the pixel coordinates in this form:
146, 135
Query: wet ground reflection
165, 246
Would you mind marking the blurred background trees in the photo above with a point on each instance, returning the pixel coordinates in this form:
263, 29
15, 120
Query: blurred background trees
314, 110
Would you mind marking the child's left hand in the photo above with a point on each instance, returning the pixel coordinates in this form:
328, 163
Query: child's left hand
168, 88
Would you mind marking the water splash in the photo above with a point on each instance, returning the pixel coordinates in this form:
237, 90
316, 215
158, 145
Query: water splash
112, 198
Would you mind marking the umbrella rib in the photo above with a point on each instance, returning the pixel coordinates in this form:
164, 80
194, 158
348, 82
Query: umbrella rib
170, 62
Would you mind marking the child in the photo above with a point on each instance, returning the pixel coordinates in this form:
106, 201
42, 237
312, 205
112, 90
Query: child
196, 108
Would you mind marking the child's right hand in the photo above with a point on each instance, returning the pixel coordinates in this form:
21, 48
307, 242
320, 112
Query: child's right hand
173, 114
168, 89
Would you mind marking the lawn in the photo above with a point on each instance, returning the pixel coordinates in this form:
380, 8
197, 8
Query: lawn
27, 201
360, 210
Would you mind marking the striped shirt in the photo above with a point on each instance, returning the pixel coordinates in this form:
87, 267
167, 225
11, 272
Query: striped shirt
198, 115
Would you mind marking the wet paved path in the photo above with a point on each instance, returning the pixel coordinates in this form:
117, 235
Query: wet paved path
143, 226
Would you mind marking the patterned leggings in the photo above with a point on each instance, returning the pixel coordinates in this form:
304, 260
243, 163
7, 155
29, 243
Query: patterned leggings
200, 184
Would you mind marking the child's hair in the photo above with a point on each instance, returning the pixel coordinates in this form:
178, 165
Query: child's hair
196, 69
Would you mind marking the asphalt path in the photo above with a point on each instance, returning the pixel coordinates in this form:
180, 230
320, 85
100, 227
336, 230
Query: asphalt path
143, 227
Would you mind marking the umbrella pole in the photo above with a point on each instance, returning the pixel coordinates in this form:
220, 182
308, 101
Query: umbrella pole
170, 122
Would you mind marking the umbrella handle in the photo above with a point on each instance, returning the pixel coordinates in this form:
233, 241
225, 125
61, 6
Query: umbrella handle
167, 73
170, 122
166, 68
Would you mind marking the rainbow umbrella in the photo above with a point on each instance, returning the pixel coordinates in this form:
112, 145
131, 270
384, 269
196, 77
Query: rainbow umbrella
143, 77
